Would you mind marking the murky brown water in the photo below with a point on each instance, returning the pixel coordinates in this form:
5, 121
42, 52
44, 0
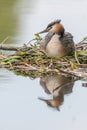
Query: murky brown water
51, 102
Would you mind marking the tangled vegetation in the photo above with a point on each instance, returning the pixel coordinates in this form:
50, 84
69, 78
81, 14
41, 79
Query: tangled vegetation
31, 60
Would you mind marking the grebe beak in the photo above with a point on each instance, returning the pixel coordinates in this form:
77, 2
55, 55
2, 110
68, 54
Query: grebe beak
44, 31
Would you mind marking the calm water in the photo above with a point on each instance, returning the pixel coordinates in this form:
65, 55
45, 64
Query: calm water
23, 102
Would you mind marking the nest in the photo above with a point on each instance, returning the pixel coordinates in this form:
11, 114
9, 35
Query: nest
34, 62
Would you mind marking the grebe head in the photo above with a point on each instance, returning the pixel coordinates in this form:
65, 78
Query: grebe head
55, 27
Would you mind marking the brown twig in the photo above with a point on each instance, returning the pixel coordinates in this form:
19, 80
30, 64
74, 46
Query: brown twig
10, 48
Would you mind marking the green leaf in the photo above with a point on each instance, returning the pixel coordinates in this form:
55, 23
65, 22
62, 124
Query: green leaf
37, 36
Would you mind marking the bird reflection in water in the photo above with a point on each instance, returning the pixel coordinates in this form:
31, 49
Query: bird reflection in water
57, 86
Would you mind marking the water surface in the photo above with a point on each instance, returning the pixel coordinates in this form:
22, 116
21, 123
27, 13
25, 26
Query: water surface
20, 107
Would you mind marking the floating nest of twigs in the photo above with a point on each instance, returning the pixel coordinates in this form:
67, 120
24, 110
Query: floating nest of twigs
31, 60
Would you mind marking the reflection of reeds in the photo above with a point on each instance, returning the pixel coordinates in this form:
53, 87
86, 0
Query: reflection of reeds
8, 20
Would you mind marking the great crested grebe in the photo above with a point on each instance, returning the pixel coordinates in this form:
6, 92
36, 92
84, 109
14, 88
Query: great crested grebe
57, 42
